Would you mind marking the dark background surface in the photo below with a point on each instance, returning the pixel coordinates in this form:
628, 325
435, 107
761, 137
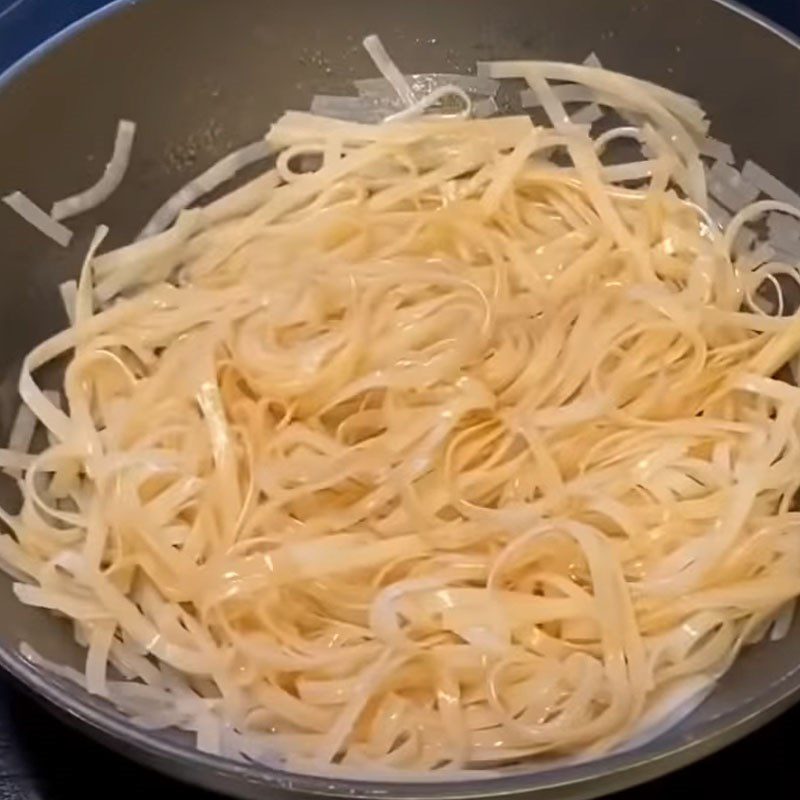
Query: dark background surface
40, 759
23, 23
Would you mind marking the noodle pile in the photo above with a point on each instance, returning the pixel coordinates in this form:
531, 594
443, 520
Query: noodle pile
445, 444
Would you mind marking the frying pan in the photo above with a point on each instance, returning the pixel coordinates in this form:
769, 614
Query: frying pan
203, 76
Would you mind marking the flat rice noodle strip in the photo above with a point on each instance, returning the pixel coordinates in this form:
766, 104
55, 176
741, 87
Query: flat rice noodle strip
74, 607
19, 441
142, 631
97, 658
425, 83
587, 115
586, 163
366, 684
109, 181
84, 306
15, 462
68, 291
389, 70
352, 109
40, 220
644, 94
225, 169
719, 151
296, 127
416, 110
668, 108
768, 184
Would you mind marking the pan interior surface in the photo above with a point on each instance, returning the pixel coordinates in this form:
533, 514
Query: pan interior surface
201, 79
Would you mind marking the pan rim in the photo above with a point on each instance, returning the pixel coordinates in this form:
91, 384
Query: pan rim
621, 770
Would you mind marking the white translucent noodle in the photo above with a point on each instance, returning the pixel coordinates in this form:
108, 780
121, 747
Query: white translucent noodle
769, 184
213, 177
69, 291
719, 214
40, 219
784, 234
20, 437
436, 96
784, 621
380, 88
641, 96
587, 115
443, 448
485, 107
354, 109
728, 186
368, 109
389, 70
719, 151
109, 181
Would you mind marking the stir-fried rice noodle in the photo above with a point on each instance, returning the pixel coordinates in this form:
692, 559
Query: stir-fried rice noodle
444, 455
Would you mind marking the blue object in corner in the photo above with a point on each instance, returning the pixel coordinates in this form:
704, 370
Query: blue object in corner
26, 23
